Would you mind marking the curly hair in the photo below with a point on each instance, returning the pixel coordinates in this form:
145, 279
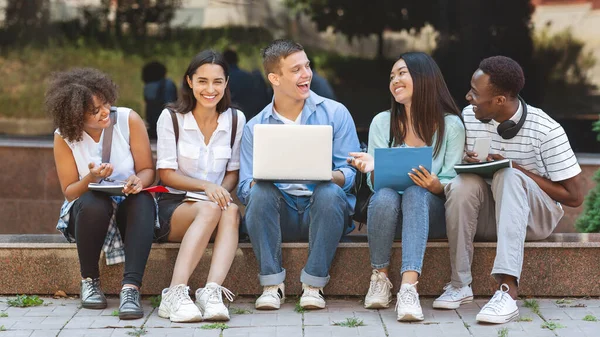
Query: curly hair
506, 75
70, 96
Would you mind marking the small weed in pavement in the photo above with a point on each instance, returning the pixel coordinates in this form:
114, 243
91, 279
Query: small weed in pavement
213, 326
533, 305
115, 313
25, 301
564, 301
552, 325
590, 318
3, 314
503, 332
350, 322
2, 328
137, 332
299, 309
525, 319
155, 301
239, 311
466, 325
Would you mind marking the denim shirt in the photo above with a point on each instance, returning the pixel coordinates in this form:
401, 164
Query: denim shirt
316, 111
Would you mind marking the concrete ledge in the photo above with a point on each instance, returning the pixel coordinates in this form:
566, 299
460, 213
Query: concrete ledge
563, 265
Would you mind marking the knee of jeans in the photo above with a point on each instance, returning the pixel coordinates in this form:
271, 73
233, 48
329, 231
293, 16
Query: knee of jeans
95, 205
329, 194
263, 191
464, 186
385, 198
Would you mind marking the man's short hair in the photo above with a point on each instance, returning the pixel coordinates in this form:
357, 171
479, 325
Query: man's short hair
276, 51
230, 56
506, 75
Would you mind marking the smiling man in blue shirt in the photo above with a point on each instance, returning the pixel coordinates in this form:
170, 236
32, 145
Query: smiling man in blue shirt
289, 212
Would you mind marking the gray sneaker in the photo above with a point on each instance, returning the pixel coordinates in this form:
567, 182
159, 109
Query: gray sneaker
130, 306
91, 295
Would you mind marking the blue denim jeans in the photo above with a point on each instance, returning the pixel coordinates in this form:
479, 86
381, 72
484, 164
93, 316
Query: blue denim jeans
413, 216
273, 216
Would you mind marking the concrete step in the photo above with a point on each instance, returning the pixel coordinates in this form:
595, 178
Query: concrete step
562, 265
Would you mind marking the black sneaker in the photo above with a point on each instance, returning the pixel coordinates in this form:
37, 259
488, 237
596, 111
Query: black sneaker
91, 295
130, 307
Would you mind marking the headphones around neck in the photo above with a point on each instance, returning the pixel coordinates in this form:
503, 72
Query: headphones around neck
509, 129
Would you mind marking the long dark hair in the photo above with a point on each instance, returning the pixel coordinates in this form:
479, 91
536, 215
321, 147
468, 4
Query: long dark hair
431, 101
186, 101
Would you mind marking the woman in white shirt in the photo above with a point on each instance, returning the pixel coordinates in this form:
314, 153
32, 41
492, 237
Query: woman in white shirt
80, 103
202, 158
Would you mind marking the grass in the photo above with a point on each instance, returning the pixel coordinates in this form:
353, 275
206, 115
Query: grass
466, 325
533, 305
525, 319
503, 332
155, 301
2, 328
239, 311
221, 326
115, 313
352, 322
137, 332
3, 314
590, 318
564, 301
23, 301
299, 309
552, 325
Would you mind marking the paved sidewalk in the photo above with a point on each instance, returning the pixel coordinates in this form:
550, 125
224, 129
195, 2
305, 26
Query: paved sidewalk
63, 317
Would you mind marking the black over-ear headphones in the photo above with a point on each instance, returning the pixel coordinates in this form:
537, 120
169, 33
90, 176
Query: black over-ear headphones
509, 129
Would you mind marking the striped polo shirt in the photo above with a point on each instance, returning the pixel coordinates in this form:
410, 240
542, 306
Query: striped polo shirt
540, 147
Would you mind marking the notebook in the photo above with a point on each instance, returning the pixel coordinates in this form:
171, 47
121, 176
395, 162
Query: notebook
292, 153
483, 169
392, 166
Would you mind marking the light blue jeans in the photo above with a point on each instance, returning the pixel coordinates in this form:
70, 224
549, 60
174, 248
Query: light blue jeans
273, 216
413, 216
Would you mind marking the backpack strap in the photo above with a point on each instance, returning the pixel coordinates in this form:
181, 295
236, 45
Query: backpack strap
108, 135
234, 122
175, 126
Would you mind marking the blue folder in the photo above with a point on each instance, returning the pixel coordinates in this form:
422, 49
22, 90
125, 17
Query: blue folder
392, 166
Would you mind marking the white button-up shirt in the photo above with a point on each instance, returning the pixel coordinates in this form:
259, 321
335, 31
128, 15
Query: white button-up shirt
191, 156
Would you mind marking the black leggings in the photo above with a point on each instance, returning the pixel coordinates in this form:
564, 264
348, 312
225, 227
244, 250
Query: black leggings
89, 219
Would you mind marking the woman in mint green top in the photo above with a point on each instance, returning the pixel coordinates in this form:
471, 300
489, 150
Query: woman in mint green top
422, 114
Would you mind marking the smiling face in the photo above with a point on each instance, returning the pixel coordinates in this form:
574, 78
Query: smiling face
401, 83
99, 117
293, 79
481, 96
208, 84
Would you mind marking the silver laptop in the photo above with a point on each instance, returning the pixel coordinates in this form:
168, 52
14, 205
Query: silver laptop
292, 153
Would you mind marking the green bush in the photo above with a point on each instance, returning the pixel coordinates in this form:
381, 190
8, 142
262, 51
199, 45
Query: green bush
589, 221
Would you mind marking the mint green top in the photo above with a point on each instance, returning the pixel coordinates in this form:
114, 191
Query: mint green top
450, 153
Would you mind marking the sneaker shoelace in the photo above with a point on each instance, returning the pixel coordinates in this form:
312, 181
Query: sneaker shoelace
272, 291
312, 292
181, 294
451, 290
215, 294
130, 295
378, 286
93, 287
498, 300
408, 295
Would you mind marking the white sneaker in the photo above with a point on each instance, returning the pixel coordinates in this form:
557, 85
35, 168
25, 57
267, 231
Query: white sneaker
210, 302
408, 305
500, 309
453, 297
380, 291
312, 297
177, 305
272, 297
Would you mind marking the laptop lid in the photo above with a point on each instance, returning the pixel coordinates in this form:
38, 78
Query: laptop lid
292, 153
392, 166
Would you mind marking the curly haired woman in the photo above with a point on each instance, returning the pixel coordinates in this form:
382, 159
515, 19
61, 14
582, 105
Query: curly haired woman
80, 103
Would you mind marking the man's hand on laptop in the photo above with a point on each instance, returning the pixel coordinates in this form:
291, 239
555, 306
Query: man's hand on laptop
362, 161
219, 195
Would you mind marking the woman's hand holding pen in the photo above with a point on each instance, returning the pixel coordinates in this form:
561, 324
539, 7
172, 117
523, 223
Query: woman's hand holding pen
133, 185
429, 181
362, 161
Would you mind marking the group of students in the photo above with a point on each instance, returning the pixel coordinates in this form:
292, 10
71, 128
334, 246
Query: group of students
206, 145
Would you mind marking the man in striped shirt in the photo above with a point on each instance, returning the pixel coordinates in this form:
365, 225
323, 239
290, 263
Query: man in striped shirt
522, 202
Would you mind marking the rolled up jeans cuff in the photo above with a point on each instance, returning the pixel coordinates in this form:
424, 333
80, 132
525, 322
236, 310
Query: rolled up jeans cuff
314, 281
272, 280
